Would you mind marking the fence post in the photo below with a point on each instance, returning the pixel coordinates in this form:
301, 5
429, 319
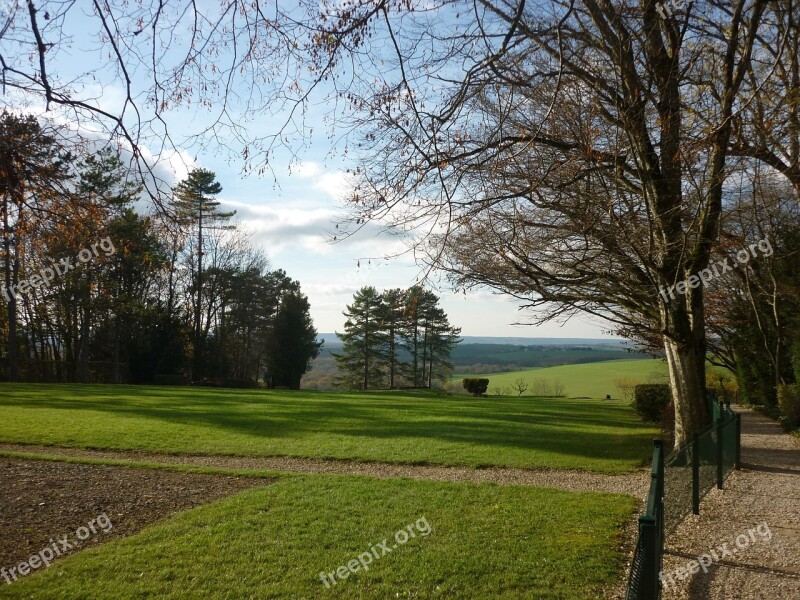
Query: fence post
695, 474
737, 461
720, 468
647, 534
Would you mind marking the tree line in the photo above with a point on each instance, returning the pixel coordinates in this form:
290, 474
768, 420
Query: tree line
395, 338
94, 291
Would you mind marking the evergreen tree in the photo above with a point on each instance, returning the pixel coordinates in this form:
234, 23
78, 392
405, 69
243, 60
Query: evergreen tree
391, 317
294, 342
419, 303
362, 358
440, 339
195, 207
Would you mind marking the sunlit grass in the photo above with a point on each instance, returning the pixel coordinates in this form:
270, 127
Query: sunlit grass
394, 427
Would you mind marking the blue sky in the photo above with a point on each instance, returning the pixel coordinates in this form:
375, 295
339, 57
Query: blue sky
292, 216
292, 208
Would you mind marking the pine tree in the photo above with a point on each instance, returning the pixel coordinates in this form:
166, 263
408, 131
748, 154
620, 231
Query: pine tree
391, 317
363, 354
419, 302
440, 339
195, 207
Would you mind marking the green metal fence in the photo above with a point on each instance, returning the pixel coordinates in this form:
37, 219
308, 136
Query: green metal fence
678, 484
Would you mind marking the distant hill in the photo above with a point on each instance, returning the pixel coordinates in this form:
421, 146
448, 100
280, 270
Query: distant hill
485, 354
331, 338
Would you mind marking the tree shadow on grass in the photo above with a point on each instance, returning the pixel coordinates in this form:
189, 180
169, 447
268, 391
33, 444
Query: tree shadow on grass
554, 427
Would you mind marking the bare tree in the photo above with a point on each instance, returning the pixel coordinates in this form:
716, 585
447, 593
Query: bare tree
626, 386
541, 387
566, 166
520, 386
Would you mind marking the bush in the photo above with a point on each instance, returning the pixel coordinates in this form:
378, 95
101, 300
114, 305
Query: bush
651, 400
789, 402
626, 386
475, 386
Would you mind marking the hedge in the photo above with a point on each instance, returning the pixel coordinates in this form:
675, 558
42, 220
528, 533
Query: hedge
651, 400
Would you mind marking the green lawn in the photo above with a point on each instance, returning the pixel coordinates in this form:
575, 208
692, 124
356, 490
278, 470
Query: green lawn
589, 380
485, 541
395, 427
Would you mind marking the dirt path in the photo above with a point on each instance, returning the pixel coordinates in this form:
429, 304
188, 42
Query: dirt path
757, 515
633, 484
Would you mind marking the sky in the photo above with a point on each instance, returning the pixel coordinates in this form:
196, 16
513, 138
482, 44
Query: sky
291, 213
292, 216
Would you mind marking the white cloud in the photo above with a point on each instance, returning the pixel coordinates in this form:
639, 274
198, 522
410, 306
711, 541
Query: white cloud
306, 169
335, 183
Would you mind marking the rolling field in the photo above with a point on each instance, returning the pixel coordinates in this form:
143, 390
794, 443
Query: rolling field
605, 437
589, 380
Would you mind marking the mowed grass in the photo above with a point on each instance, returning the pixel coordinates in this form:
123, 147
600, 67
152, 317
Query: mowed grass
485, 541
394, 427
589, 380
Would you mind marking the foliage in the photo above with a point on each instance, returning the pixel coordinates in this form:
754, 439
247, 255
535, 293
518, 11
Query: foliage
293, 343
364, 340
796, 361
789, 403
34, 171
194, 206
142, 304
380, 327
650, 400
476, 386
754, 312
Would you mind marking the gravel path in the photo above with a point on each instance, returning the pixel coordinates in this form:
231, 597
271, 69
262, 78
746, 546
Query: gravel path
634, 484
757, 515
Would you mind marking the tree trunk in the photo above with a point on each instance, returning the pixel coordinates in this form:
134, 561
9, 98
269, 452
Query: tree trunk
115, 376
84, 356
392, 359
685, 349
10, 292
197, 343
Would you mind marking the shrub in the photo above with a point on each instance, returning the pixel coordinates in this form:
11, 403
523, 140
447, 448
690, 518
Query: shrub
789, 402
650, 400
625, 386
541, 387
475, 385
